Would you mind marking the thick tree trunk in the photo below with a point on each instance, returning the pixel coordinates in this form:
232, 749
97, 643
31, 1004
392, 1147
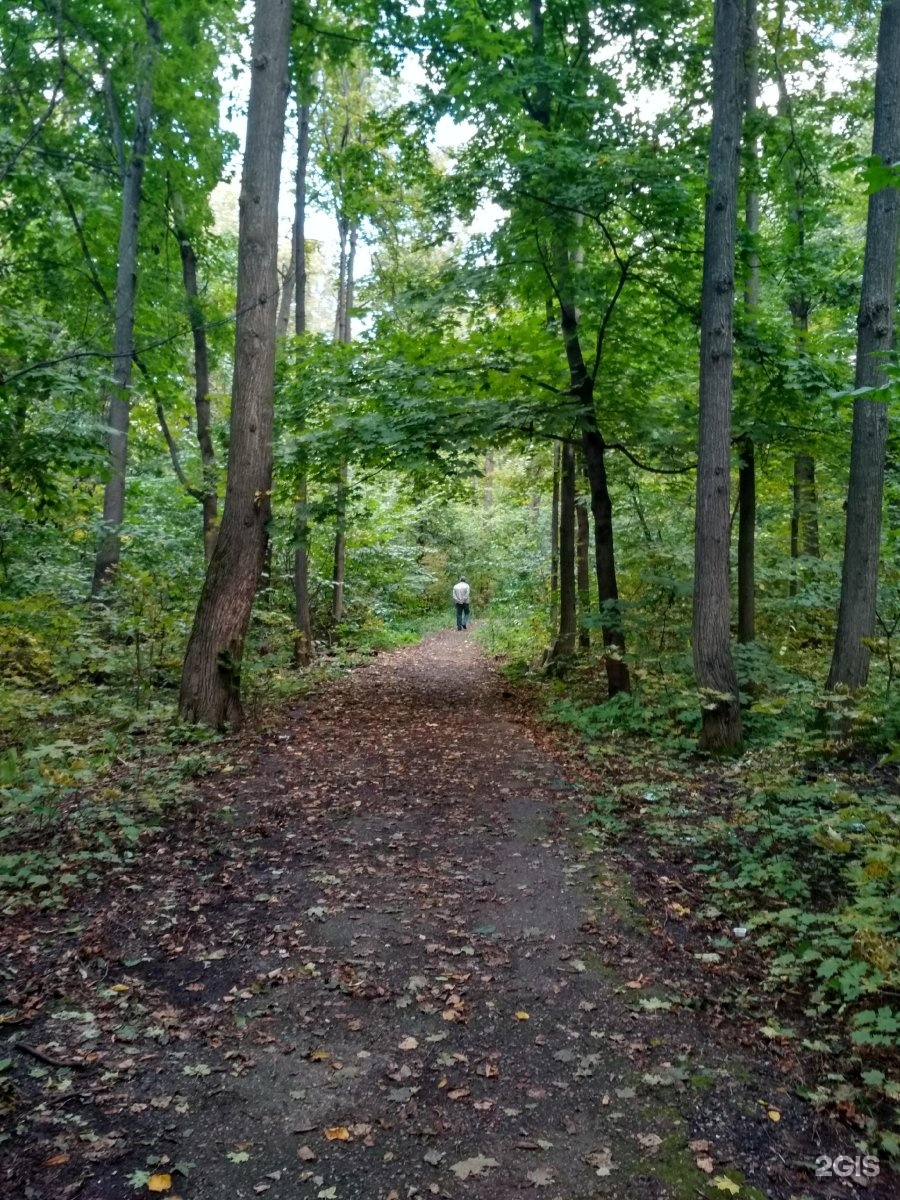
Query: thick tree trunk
746, 559
210, 683
564, 645
118, 398
713, 663
304, 646
583, 559
201, 385
862, 541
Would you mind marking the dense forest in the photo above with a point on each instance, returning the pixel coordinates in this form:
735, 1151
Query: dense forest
311, 310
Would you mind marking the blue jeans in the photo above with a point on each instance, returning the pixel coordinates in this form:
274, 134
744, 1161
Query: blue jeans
462, 616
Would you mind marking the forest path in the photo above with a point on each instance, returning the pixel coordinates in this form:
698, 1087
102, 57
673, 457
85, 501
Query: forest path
381, 964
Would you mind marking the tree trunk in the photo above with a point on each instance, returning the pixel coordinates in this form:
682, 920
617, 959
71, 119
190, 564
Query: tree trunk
746, 541
210, 682
554, 539
283, 321
583, 559
118, 398
617, 675
746, 559
344, 332
340, 546
487, 498
304, 646
564, 645
201, 383
862, 541
582, 388
713, 664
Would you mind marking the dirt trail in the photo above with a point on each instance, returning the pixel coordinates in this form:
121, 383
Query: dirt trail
381, 964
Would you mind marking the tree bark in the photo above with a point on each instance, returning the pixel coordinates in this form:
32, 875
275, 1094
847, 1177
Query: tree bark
746, 559
581, 387
862, 541
304, 646
344, 333
554, 539
118, 399
713, 663
617, 675
746, 541
340, 545
201, 383
283, 321
210, 682
564, 645
583, 556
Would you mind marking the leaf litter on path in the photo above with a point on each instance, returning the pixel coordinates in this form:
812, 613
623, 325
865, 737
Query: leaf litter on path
378, 926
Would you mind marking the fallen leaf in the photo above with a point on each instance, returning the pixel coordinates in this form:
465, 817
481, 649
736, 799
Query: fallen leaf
337, 1133
700, 1146
433, 1157
467, 1167
724, 1184
541, 1177
705, 1163
640, 982
305, 1154
774, 1114
56, 1160
522, 1015
159, 1183
409, 1043
601, 1161
650, 1141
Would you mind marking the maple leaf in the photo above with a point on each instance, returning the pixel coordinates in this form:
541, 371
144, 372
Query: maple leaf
477, 1165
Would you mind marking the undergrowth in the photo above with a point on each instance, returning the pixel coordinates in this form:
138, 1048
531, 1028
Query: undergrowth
797, 843
92, 756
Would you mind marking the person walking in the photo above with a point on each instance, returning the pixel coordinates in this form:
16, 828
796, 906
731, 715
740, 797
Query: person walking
461, 595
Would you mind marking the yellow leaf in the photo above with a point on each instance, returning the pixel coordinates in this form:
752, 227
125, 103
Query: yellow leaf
338, 1133
522, 1015
159, 1183
774, 1114
120, 987
724, 1184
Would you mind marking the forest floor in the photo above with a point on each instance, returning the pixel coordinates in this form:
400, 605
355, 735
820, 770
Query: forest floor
379, 959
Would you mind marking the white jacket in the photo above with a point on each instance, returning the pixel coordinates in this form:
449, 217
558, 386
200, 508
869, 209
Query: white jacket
461, 593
